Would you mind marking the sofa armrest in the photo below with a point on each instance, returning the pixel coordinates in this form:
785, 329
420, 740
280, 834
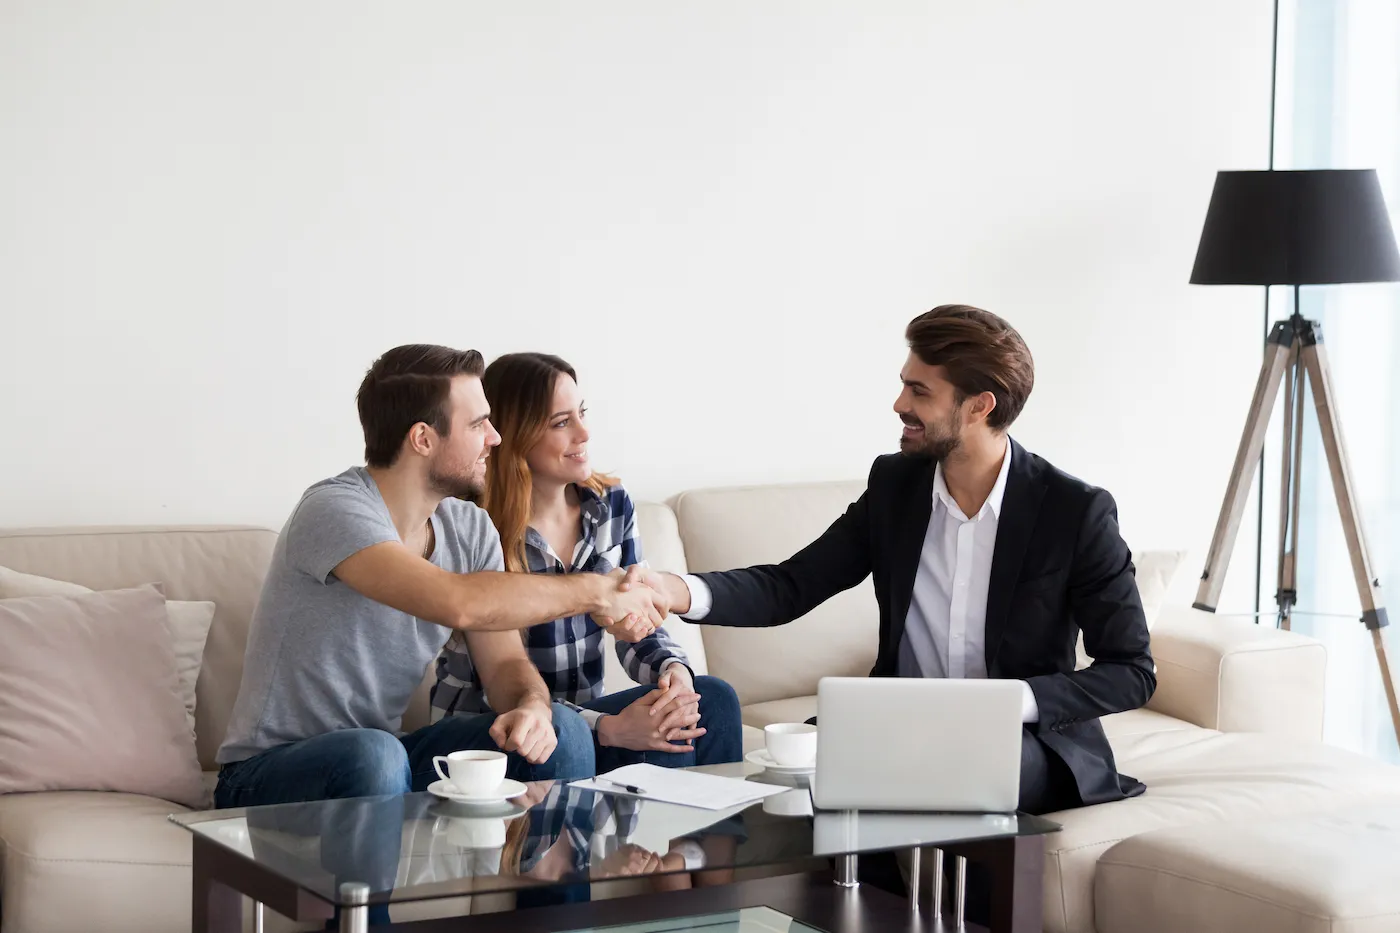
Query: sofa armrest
1228, 673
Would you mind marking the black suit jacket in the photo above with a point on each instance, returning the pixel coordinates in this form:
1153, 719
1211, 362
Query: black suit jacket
1059, 566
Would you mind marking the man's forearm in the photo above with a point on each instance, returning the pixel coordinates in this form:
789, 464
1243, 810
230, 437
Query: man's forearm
514, 684
495, 602
489, 601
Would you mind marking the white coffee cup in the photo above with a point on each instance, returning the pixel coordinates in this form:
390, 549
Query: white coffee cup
473, 771
791, 744
469, 833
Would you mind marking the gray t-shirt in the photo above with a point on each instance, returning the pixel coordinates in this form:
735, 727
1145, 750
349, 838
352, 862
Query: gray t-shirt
321, 656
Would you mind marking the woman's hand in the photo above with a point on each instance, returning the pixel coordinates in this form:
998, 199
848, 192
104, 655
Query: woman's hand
635, 728
677, 709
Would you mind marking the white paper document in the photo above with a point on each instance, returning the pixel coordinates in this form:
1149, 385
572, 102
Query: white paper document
687, 788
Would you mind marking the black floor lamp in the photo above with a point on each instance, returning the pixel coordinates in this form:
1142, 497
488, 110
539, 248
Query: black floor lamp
1319, 227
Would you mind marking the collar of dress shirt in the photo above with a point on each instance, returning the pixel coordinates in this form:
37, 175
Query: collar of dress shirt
993, 503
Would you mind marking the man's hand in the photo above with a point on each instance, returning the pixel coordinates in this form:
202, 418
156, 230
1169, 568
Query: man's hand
672, 589
677, 706
629, 859
636, 729
535, 791
632, 610
527, 730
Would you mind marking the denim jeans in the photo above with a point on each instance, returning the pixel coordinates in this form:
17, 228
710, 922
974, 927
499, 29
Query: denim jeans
722, 742
371, 763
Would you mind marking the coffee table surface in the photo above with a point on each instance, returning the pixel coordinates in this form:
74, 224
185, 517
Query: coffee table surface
419, 846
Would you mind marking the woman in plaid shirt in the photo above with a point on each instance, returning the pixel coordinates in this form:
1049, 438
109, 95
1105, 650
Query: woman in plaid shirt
555, 515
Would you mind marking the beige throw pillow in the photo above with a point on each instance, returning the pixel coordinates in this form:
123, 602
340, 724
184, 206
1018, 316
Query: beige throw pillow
91, 700
188, 621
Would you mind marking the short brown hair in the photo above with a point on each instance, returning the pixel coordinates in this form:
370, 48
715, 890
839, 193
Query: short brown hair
407, 385
980, 353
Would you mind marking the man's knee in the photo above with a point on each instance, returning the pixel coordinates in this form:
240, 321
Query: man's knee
573, 757
365, 763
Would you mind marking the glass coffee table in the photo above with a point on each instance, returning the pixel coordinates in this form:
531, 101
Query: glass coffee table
728, 871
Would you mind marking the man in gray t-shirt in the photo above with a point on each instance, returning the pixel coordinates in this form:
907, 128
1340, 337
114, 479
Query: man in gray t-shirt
373, 570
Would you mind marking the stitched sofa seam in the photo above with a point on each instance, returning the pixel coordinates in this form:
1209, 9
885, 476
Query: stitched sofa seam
31, 857
1217, 885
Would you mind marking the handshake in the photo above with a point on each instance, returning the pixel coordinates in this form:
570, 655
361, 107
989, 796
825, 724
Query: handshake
634, 603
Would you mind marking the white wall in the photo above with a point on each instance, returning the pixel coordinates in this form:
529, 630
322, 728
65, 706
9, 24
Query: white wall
723, 212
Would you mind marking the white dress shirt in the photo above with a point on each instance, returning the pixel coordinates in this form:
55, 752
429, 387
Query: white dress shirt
945, 630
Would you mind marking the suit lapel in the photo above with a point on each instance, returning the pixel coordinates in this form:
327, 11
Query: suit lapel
916, 505
1019, 507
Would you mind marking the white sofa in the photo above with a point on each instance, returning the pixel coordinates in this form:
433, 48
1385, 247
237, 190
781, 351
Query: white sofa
1232, 733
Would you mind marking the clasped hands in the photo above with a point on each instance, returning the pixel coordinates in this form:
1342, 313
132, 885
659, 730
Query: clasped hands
633, 608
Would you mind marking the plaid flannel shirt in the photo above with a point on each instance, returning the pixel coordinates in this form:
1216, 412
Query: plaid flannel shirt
568, 652
597, 825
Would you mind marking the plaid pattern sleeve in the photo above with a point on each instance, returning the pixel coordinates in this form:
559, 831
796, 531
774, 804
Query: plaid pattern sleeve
568, 652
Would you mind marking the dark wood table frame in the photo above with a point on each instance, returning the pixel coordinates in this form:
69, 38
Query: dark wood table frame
1015, 867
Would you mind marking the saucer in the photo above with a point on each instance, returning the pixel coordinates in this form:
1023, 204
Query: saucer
760, 756
453, 808
505, 791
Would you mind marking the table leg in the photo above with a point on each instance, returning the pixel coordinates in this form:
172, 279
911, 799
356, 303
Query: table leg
847, 870
216, 908
960, 891
1018, 877
354, 912
937, 884
916, 878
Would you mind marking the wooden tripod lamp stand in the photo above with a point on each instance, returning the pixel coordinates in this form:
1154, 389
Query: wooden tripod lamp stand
1297, 228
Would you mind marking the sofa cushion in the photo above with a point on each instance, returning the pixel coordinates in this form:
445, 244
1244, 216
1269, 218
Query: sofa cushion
91, 698
1322, 873
71, 856
796, 709
1195, 778
222, 564
189, 623
726, 528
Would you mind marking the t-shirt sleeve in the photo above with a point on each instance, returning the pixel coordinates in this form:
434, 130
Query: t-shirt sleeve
331, 524
485, 543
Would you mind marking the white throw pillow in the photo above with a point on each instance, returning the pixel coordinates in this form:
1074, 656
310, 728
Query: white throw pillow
188, 622
1155, 571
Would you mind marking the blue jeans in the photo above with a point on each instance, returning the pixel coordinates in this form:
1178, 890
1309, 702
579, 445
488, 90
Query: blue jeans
722, 742
372, 763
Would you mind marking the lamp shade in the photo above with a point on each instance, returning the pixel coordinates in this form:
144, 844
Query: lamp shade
1318, 227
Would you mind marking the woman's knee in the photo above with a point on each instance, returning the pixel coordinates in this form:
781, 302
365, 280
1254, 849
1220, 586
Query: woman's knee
717, 695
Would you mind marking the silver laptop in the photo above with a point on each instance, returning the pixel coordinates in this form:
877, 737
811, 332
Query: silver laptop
918, 744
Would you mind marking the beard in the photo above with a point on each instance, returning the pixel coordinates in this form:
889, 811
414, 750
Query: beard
938, 441
456, 483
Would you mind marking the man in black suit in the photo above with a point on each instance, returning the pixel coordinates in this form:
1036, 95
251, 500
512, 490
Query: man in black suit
988, 562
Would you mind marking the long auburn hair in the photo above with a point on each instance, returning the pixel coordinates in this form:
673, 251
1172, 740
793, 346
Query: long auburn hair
520, 390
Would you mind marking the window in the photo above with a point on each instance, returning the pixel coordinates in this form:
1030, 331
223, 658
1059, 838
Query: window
1338, 106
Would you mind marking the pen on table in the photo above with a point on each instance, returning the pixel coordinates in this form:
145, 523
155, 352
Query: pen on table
630, 788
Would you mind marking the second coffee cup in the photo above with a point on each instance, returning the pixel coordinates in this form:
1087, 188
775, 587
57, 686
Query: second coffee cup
791, 744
